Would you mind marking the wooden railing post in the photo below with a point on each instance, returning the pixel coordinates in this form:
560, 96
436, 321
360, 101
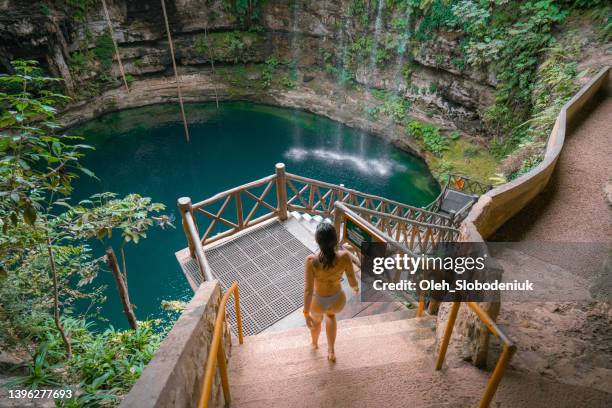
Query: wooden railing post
281, 191
239, 215
184, 205
448, 331
338, 214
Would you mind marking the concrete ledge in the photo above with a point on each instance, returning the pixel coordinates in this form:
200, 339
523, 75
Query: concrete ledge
174, 376
503, 202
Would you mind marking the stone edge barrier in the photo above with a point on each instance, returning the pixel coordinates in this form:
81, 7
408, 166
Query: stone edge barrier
496, 207
173, 378
500, 204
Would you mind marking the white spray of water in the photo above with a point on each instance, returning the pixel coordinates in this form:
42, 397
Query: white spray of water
379, 167
377, 31
401, 53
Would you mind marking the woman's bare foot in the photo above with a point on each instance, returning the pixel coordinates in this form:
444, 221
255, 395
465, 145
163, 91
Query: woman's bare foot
314, 346
331, 356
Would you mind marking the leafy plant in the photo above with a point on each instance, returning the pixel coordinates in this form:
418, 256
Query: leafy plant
40, 372
104, 51
429, 135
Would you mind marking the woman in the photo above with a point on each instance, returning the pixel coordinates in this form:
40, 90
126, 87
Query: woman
323, 294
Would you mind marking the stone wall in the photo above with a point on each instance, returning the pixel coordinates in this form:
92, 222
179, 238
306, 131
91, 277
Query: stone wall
174, 376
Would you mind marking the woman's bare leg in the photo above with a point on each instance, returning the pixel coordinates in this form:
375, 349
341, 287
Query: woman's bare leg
331, 326
330, 331
315, 330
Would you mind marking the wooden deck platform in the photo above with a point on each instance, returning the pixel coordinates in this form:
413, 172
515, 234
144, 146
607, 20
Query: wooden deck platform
271, 275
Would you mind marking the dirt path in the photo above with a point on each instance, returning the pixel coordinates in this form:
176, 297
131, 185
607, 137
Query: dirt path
573, 207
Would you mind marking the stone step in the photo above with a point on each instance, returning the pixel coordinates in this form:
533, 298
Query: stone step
298, 332
408, 382
294, 359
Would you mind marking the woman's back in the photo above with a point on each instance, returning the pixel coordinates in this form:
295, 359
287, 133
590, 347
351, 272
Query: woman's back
327, 279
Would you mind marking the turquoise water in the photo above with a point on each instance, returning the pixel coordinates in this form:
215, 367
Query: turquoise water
144, 151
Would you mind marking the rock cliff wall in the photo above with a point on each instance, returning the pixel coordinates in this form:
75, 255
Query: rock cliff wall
263, 52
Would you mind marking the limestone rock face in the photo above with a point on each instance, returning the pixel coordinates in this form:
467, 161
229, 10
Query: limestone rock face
438, 85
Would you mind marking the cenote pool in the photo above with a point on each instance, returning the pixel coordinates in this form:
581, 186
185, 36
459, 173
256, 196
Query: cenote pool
144, 151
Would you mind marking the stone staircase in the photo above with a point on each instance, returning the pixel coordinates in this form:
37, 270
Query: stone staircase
308, 221
384, 360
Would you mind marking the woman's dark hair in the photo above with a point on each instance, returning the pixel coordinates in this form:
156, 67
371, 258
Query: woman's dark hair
327, 239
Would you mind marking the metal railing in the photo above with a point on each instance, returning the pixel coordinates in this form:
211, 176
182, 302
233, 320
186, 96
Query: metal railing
463, 184
508, 348
217, 351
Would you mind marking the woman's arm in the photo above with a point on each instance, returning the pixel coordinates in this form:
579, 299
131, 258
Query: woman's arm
349, 270
308, 285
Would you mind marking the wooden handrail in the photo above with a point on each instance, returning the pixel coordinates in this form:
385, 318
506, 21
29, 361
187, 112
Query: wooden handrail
509, 348
217, 351
231, 191
336, 187
343, 209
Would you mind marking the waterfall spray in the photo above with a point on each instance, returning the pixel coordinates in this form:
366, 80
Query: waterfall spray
401, 54
377, 30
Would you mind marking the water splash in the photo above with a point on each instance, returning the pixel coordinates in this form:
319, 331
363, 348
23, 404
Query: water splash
378, 167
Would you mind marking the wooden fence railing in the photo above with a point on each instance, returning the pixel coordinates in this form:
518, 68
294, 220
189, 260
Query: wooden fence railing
317, 198
245, 206
418, 237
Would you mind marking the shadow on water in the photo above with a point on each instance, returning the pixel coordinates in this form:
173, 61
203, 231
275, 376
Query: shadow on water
143, 151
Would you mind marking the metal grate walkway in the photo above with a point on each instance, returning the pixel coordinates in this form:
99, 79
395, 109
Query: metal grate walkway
268, 263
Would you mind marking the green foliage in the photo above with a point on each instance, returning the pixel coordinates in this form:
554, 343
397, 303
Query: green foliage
512, 35
357, 10
40, 372
527, 165
45, 262
393, 106
287, 81
429, 135
231, 45
268, 72
105, 364
104, 51
98, 216
113, 360
248, 11
77, 9
438, 15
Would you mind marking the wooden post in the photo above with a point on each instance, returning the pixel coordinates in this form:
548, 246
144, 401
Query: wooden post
448, 331
281, 191
112, 263
338, 214
184, 205
239, 215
